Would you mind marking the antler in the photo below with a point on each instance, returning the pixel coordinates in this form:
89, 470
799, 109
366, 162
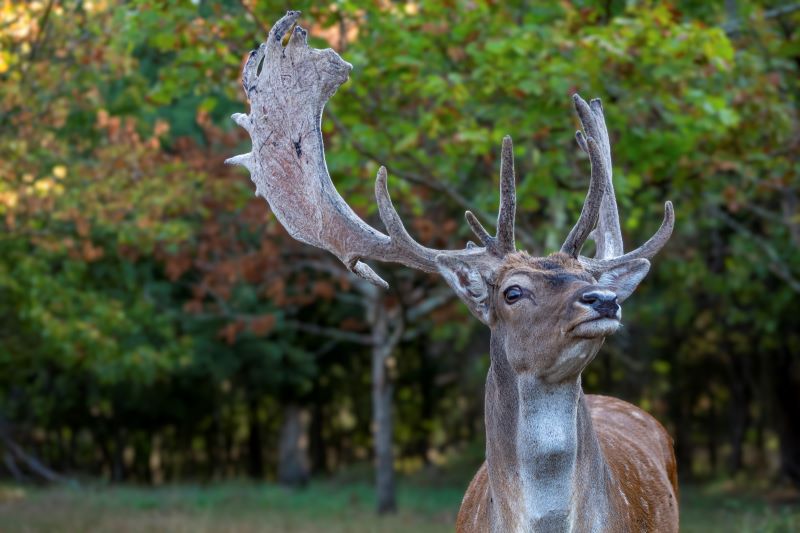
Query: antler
608, 235
288, 88
591, 205
503, 241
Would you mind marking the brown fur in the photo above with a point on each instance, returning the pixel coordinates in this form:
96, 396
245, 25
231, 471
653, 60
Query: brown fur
524, 261
639, 454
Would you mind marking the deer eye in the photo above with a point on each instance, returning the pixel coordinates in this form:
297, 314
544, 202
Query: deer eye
513, 294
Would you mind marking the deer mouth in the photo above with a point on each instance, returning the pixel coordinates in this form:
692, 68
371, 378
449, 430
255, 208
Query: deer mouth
596, 327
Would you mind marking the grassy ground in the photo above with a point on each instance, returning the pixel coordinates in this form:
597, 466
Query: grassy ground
324, 506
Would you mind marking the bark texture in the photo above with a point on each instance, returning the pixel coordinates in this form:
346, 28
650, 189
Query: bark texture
293, 466
386, 331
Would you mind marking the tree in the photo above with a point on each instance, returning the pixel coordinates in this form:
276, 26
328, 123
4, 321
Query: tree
150, 309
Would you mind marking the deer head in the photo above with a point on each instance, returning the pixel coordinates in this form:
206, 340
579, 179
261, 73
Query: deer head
545, 309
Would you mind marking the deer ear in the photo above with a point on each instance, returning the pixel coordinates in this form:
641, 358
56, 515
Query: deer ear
623, 279
468, 284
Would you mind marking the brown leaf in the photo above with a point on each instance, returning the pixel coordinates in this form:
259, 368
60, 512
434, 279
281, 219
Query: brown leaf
424, 228
262, 325
230, 331
351, 324
82, 226
324, 290
177, 265
193, 306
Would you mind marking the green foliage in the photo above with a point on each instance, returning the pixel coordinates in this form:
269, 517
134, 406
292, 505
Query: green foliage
145, 295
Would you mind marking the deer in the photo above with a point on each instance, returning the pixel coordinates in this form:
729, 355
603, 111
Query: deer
556, 458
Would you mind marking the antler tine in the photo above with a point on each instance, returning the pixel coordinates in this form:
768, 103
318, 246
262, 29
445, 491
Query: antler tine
503, 241
608, 235
591, 206
480, 232
508, 199
408, 251
646, 251
279, 29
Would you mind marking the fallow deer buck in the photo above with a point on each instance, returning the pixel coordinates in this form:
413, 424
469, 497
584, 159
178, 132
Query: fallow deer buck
556, 459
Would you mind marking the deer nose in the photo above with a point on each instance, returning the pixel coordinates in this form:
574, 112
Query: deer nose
603, 302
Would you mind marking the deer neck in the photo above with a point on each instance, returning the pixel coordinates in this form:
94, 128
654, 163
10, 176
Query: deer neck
546, 469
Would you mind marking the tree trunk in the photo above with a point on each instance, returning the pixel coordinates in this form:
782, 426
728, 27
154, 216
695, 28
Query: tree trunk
383, 343
155, 461
711, 443
254, 441
12, 467
740, 373
427, 373
319, 459
12, 450
293, 464
761, 445
740, 420
213, 468
382, 390
117, 458
786, 386
680, 407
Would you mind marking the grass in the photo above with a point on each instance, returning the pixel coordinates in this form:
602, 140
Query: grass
725, 507
325, 506
228, 507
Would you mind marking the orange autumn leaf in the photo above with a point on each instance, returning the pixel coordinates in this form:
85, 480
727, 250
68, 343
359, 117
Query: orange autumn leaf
262, 325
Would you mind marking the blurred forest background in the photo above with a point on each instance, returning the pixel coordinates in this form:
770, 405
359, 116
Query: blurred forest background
158, 326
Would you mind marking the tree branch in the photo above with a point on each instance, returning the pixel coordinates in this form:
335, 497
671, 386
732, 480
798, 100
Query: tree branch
36, 466
331, 333
431, 303
250, 12
776, 264
426, 181
735, 26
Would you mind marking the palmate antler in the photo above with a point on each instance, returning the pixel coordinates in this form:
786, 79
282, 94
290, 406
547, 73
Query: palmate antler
288, 87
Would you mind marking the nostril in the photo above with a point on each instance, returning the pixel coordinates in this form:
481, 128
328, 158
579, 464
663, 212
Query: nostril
609, 310
606, 308
589, 299
602, 302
